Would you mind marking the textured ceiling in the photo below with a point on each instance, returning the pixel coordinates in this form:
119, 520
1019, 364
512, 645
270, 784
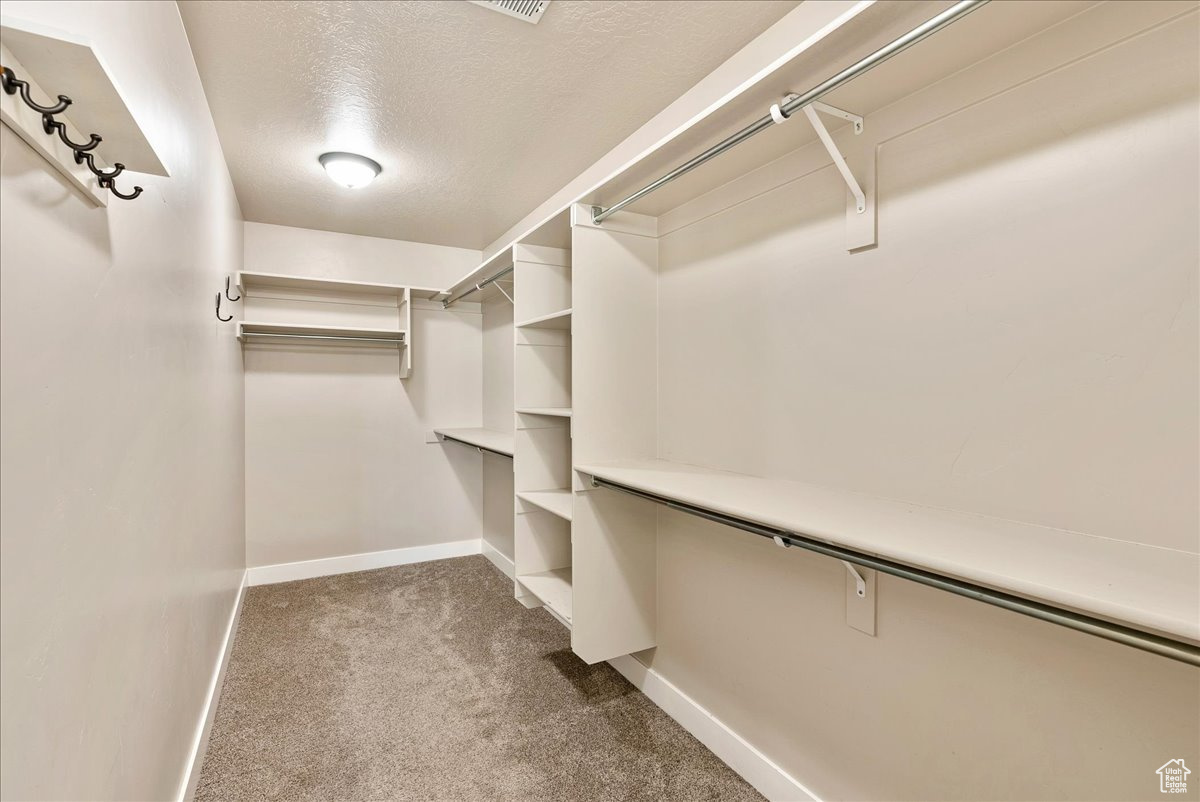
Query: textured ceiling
476, 117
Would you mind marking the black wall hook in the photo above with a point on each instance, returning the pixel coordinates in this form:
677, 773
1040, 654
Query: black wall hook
227, 291
222, 319
12, 84
113, 189
105, 178
51, 126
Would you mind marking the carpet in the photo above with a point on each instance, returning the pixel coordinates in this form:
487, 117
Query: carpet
430, 682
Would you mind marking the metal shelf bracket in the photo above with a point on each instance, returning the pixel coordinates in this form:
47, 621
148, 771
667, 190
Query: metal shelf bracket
810, 111
860, 207
860, 597
860, 584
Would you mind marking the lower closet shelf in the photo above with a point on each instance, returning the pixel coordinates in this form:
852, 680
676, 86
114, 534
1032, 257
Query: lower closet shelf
553, 589
1144, 588
334, 335
557, 502
488, 439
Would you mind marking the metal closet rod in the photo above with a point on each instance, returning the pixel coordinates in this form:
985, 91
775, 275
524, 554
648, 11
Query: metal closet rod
272, 335
477, 446
446, 303
929, 27
1165, 647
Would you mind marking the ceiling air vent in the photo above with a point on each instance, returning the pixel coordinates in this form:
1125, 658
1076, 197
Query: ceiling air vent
529, 10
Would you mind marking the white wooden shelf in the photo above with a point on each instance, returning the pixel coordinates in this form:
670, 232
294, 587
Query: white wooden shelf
557, 502
556, 412
552, 588
1144, 587
488, 439
251, 283
350, 335
555, 320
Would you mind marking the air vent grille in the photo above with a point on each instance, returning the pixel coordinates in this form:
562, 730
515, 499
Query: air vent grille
529, 10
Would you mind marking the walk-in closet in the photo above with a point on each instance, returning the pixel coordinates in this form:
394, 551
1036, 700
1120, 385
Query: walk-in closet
595, 400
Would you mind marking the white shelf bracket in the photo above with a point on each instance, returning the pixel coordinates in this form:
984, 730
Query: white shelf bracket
860, 593
505, 294
810, 111
860, 584
860, 207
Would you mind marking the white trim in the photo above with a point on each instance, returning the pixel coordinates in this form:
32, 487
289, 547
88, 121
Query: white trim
506, 566
754, 767
349, 563
191, 775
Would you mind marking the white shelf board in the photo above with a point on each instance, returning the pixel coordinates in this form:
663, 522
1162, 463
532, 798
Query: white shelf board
557, 412
483, 438
249, 281
553, 589
557, 502
67, 64
489, 267
348, 333
1144, 587
555, 320
427, 293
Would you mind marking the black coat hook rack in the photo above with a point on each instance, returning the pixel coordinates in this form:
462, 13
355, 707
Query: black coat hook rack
13, 85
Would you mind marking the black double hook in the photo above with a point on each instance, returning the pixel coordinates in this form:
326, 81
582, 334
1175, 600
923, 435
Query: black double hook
51, 126
12, 85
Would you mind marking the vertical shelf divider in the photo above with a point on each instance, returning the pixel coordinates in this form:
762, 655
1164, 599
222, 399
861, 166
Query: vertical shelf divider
615, 382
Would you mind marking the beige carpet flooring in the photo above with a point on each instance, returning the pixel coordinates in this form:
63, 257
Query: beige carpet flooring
429, 682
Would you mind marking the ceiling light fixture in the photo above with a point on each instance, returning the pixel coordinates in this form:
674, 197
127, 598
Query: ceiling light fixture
349, 169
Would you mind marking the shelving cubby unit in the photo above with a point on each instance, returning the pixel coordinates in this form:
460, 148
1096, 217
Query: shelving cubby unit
542, 442
614, 330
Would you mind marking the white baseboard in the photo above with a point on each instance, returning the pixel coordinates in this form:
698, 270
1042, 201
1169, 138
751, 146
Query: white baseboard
191, 775
754, 767
498, 559
347, 564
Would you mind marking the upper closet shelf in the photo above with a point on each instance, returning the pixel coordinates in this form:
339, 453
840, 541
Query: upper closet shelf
250, 282
1142, 587
555, 412
554, 320
333, 335
487, 439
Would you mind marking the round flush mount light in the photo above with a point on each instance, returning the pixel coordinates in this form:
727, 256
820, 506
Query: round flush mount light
350, 169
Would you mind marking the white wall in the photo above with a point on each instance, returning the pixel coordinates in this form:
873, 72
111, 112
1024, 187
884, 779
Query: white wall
1023, 343
336, 458
121, 444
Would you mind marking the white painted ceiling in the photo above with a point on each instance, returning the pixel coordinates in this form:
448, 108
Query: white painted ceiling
476, 117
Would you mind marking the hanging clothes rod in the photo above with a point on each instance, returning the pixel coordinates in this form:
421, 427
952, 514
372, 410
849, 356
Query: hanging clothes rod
931, 26
1165, 647
490, 279
476, 446
273, 335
